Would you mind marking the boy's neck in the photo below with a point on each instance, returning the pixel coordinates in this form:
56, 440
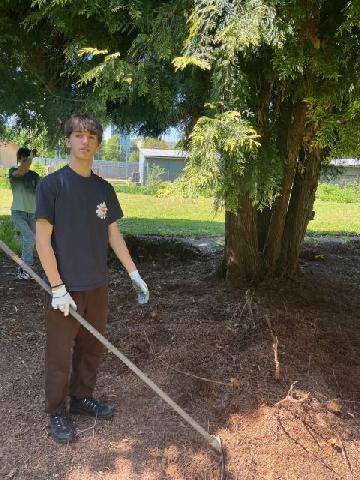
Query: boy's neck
80, 166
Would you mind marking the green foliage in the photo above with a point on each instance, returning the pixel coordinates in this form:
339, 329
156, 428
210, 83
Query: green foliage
133, 189
112, 149
348, 193
134, 155
33, 138
177, 188
57, 166
221, 153
4, 178
34, 92
155, 177
8, 234
149, 142
39, 168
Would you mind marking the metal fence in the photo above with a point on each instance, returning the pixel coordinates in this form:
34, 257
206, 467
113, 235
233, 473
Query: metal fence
120, 170
115, 170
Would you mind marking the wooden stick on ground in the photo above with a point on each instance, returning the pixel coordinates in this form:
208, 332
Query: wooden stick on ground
275, 349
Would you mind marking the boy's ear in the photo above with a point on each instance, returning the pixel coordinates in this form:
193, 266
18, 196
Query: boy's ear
67, 142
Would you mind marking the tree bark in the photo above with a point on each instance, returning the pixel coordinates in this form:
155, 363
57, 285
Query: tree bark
263, 222
279, 210
299, 212
242, 254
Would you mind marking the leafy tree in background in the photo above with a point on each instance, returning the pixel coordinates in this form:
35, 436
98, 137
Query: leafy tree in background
34, 91
112, 149
266, 92
112, 59
283, 100
30, 138
149, 142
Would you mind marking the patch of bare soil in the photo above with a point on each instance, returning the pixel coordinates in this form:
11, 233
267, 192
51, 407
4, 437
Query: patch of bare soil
214, 351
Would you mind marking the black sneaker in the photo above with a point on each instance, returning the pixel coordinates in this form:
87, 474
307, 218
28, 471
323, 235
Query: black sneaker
92, 407
61, 429
22, 274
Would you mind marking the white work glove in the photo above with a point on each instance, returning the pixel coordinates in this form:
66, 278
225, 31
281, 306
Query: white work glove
62, 300
140, 287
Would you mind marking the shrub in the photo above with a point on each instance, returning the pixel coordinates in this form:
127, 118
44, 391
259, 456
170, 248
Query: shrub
348, 193
150, 142
4, 178
134, 156
181, 187
177, 188
155, 176
39, 168
135, 189
8, 233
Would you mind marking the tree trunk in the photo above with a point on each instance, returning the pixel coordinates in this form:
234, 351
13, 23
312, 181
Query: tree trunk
242, 253
299, 212
279, 210
263, 222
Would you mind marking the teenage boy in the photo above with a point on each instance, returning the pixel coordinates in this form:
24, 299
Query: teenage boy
76, 215
23, 183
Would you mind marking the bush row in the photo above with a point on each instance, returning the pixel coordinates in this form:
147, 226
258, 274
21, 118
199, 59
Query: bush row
348, 193
326, 192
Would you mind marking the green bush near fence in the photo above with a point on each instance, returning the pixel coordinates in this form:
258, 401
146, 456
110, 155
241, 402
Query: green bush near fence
326, 192
132, 189
349, 193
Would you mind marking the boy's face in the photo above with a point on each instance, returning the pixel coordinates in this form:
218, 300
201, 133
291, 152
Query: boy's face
83, 144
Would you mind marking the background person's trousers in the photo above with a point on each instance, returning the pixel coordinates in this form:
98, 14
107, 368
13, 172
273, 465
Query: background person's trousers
25, 224
72, 353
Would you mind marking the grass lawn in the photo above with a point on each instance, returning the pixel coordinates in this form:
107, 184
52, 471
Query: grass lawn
332, 218
146, 214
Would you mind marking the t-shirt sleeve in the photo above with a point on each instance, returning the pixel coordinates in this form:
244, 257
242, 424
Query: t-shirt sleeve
11, 171
45, 200
114, 210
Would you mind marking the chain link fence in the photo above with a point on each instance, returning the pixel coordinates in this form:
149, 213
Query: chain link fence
128, 171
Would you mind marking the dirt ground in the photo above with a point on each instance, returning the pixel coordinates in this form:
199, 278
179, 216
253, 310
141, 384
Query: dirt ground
212, 349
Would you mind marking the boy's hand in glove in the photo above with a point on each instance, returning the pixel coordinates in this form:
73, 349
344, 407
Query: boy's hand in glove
140, 287
62, 300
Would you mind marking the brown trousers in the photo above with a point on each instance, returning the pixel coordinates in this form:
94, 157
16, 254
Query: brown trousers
72, 353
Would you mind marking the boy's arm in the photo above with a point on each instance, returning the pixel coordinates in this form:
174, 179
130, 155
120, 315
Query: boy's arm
23, 168
45, 251
61, 299
118, 244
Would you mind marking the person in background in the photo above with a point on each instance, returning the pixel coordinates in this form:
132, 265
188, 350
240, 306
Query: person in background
76, 221
23, 183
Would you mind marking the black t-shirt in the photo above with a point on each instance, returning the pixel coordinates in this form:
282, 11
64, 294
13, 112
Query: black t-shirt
80, 210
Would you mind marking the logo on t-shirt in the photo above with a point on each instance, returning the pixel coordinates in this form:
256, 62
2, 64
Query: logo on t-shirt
101, 210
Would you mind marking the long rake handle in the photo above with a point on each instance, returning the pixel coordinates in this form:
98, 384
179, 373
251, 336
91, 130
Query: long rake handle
213, 441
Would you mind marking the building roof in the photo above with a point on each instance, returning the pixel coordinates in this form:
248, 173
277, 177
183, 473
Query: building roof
346, 162
165, 153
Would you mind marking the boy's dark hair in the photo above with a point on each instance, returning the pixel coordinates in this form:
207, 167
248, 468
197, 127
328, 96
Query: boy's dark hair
83, 122
23, 152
